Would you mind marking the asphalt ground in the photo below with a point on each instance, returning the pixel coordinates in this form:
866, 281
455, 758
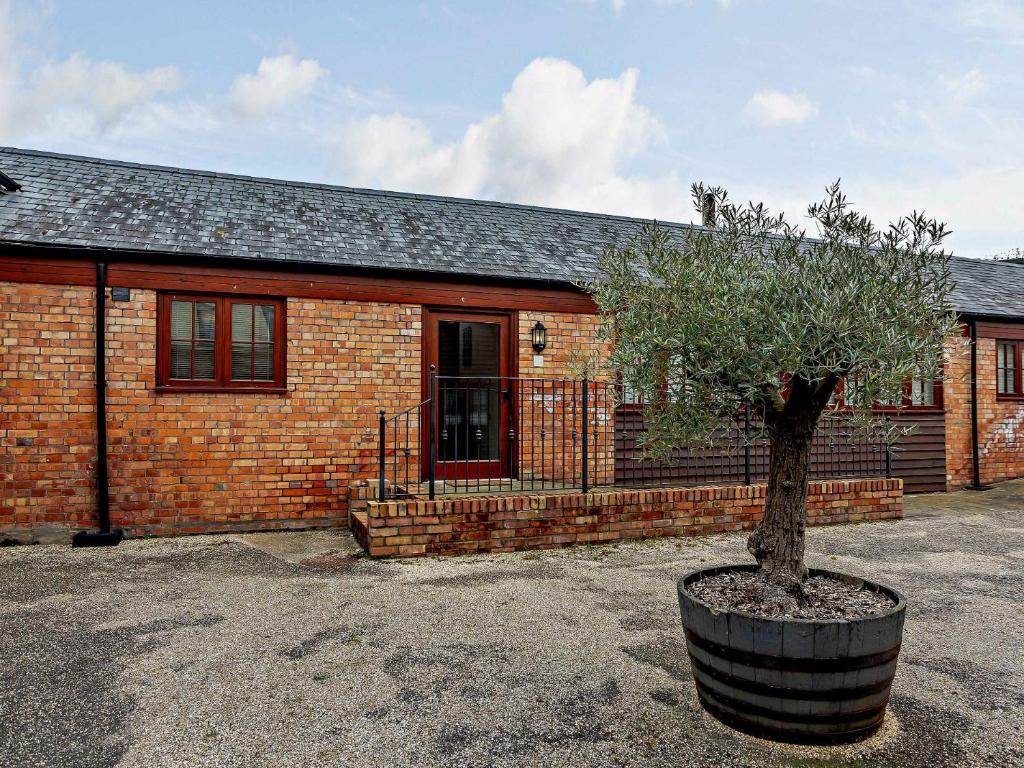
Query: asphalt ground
293, 649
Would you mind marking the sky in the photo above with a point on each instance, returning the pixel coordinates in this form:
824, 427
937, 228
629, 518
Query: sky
614, 106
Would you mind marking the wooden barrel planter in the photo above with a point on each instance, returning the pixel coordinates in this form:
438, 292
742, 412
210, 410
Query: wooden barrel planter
793, 680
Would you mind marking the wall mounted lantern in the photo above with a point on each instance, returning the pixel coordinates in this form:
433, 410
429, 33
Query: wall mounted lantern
540, 337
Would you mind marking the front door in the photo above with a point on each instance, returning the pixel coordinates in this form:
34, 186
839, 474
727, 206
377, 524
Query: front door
471, 352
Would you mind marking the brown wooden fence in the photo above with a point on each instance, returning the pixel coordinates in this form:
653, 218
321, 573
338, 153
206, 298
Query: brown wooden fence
918, 458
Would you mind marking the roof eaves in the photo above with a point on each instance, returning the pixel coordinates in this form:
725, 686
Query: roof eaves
179, 256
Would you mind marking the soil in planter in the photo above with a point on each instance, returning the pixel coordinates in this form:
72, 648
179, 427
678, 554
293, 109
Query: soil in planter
823, 598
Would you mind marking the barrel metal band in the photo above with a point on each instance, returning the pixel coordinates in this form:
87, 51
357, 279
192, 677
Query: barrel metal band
790, 735
765, 689
746, 708
764, 661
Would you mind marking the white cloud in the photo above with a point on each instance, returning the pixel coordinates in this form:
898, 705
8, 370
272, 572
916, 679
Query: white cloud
964, 89
9, 69
995, 19
279, 81
955, 154
78, 93
104, 89
558, 140
976, 203
618, 5
772, 107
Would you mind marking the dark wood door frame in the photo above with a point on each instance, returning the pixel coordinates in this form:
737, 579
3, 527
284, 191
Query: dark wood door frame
509, 367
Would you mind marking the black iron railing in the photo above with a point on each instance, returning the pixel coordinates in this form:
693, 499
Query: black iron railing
488, 434
397, 470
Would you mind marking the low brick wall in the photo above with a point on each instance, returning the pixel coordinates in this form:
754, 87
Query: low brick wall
506, 523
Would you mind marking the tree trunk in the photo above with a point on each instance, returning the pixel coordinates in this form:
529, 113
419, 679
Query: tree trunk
778, 541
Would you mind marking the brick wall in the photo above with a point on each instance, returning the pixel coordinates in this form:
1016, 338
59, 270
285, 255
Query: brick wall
572, 343
1000, 422
204, 461
47, 406
192, 462
507, 523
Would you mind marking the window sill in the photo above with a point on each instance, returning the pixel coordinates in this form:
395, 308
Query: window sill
178, 390
1010, 398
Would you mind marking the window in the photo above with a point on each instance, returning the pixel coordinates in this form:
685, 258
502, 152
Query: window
1008, 379
847, 392
628, 393
917, 393
674, 385
922, 392
220, 343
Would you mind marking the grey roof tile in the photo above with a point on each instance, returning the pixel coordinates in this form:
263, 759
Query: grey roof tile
89, 202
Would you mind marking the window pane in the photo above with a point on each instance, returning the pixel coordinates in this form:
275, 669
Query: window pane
241, 322
851, 390
203, 361
241, 362
264, 362
630, 393
197, 342
206, 319
1006, 365
181, 320
264, 323
468, 349
922, 392
181, 358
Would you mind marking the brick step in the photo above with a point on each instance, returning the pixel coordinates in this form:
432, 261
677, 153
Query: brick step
357, 521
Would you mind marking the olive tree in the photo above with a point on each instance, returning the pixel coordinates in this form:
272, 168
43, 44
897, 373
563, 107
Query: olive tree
753, 311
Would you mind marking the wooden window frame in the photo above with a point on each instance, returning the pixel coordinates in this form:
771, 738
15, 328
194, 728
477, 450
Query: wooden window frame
620, 389
906, 405
1018, 389
222, 381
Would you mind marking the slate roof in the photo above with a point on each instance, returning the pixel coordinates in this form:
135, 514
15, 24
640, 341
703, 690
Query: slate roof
89, 202
990, 288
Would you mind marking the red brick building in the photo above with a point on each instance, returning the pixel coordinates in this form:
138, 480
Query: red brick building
254, 330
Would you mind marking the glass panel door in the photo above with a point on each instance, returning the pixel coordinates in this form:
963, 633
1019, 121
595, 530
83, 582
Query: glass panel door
469, 391
470, 352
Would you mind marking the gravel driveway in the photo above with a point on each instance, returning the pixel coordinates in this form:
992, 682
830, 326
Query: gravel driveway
290, 649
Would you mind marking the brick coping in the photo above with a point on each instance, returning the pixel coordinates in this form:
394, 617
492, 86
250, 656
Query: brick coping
509, 522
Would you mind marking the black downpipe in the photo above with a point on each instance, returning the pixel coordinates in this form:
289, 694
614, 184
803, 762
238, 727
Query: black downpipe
105, 537
975, 456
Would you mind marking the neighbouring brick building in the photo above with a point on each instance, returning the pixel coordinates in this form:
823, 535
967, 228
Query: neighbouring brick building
254, 330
